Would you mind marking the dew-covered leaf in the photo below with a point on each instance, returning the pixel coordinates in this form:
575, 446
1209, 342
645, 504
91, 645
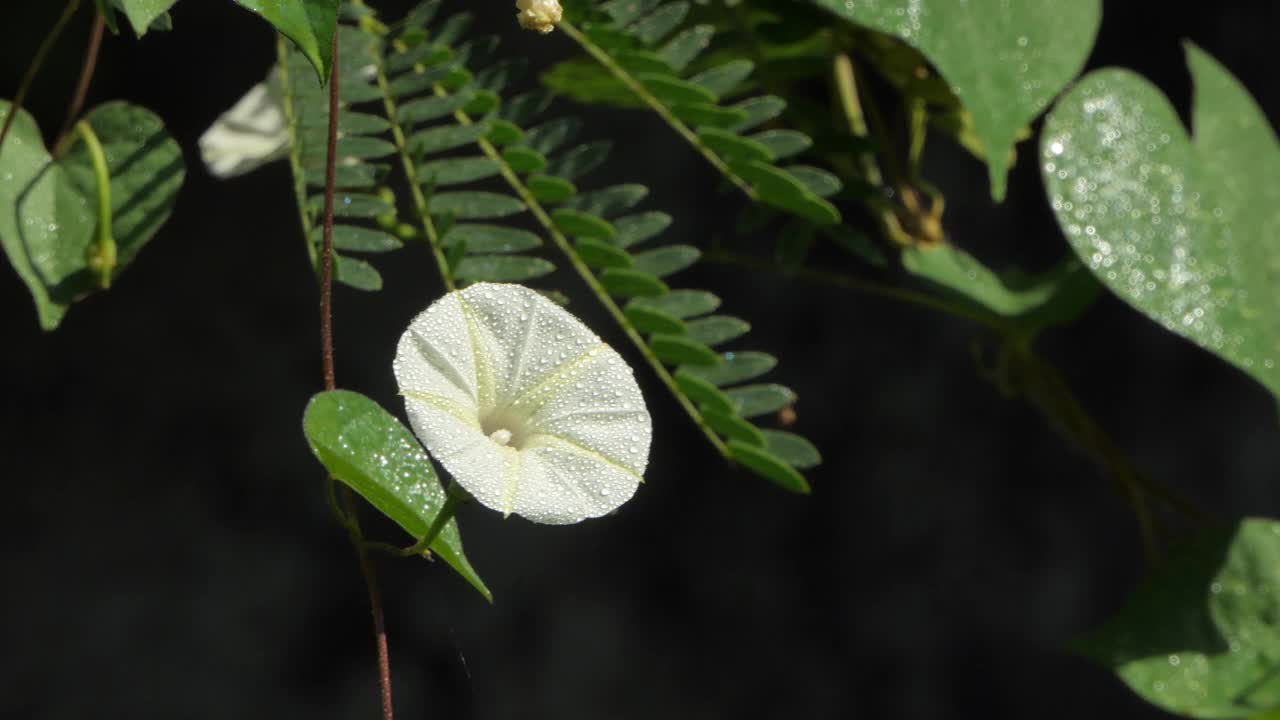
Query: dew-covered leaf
683, 304
1183, 230
367, 449
481, 238
501, 268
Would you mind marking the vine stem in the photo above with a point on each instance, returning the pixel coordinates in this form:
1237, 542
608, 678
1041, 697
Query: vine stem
330, 383
36, 62
657, 106
86, 76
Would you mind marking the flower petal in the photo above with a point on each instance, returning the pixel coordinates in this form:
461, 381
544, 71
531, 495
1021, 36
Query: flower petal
502, 359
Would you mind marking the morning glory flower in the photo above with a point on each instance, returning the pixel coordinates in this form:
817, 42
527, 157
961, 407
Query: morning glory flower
539, 15
527, 409
249, 135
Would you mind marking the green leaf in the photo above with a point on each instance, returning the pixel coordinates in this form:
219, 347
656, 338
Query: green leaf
758, 110
783, 144
353, 205
580, 160
41, 213
548, 136
792, 449
681, 350
1004, 60
768, 466
648, 319
660, 23
816, 180
474, 205
733, 427
502, 268
686, 46
47, 216
599, 254
367, 449
756, 400
581, 225
785, 192
439, 139
737, 367
310, 24
1183, 230
733, 147
673, 91
356, 273
717, 329
480, 238
682, 304
458, 170
706, 395
1038, 301
142, 13
611, 200
705, 115
626, 283
723, 79
667, 260
358, 239
1200, 637
635, 229
550, 189
431, 108
524, 160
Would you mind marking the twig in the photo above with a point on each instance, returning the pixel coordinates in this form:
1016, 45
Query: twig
86, 76
330, 383
34, 67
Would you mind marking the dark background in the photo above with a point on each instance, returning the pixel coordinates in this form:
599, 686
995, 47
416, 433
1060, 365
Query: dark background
167, 552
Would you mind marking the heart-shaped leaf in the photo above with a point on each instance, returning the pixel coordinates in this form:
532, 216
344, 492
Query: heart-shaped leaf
1201, 636
142, 13
310, 24
47, 207
1005, 61
1183, 230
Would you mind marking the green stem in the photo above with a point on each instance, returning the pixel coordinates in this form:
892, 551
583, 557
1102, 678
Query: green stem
597, 289
657, 106
851, 105
454, 499
295, 150
890, 292
420, 205
102, 256
36, 62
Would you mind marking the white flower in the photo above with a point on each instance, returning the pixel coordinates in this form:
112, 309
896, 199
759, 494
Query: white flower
539, 15
249, 135
526, 407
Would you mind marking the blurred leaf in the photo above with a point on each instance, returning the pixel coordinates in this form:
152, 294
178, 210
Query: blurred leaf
1200, 637
791, 448
366, 448
1004, 60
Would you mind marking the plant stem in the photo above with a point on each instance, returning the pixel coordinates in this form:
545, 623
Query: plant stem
102, 257
330, 383
884, 290
29, 77
851, 104
411, 177
602, 295
295, 153
86, 75
657, 106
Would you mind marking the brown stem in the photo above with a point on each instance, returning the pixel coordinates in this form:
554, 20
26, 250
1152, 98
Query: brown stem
34, 67
330, 383
86, 76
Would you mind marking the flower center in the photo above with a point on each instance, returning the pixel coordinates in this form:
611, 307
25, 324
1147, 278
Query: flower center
504, 428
